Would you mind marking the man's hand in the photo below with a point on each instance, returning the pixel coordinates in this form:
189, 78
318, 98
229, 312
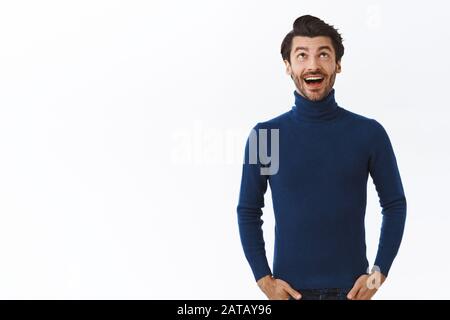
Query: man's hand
366, 286
277, 289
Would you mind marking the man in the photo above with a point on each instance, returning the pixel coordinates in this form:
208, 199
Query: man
319, 185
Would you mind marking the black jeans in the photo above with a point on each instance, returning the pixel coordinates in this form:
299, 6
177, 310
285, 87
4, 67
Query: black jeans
323, 294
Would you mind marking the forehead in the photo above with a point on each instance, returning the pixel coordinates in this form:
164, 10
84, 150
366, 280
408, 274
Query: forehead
311, 43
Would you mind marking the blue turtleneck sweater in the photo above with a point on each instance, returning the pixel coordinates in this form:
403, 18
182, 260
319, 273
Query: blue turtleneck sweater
326, 154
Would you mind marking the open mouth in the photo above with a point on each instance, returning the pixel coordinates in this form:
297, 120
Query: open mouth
313, 81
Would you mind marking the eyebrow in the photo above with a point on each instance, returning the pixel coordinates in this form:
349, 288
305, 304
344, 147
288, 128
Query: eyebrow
306, 49
325, 48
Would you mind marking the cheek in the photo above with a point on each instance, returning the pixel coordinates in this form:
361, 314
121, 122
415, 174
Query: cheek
297, 72
329, 68
296, 68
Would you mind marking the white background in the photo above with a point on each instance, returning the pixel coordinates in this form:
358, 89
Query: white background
122, 127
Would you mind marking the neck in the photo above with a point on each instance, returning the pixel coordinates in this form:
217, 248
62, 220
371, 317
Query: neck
317, 111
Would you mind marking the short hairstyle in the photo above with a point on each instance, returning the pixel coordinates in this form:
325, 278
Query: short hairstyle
309, 26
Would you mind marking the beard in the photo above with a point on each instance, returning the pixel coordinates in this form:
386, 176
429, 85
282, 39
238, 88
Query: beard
314, 94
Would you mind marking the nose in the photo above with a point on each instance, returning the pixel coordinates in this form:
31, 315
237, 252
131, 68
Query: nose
313, 64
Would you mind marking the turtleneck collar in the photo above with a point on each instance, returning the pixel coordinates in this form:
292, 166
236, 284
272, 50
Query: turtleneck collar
315, 111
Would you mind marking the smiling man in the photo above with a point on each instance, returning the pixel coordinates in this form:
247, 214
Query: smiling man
326, 154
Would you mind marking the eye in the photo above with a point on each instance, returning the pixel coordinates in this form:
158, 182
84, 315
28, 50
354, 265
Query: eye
301, 55
324, 54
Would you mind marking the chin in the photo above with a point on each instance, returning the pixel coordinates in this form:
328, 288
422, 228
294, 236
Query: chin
316, 96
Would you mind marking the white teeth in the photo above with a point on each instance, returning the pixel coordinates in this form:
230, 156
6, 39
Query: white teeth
314, 78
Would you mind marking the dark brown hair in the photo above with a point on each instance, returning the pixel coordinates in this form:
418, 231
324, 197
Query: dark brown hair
309, 26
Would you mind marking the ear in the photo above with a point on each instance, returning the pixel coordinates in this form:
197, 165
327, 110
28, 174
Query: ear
288, 67
338, 66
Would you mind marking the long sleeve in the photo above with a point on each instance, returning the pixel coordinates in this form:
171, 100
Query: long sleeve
249, 211
386, 178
